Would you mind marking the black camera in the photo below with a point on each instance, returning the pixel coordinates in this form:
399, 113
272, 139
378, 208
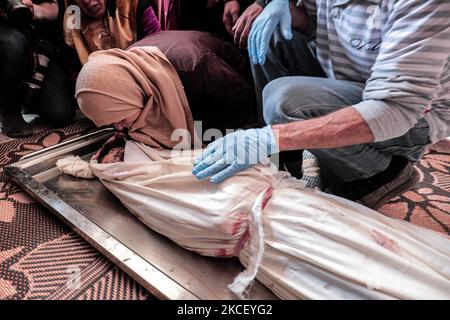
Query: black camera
20, 16
16, 11
43, 53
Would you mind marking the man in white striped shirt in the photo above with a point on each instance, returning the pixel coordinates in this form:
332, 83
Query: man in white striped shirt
362, 84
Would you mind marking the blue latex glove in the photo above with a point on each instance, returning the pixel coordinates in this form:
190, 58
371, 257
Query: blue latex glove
275, 13
235, 152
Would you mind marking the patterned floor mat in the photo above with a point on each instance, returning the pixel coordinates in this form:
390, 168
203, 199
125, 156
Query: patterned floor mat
429, 204
40, 258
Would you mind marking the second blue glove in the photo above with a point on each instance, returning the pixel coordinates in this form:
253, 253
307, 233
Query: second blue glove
275, 14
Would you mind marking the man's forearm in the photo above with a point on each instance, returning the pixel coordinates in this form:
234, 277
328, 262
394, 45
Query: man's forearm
338, 129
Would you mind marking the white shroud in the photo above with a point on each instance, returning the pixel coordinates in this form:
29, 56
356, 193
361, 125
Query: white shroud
301, 243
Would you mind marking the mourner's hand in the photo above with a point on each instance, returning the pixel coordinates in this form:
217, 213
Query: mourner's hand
45, 11
30, 5
300, 19
231, 12
244, 24
235, 152
275, 14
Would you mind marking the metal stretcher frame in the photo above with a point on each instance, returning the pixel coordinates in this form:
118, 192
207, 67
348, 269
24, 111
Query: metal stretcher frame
159, 265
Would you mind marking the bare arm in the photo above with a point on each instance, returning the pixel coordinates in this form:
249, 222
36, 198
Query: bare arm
338, 129
46, 11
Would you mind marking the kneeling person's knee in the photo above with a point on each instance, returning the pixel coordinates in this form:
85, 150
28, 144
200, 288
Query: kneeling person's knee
301, 98
284, 100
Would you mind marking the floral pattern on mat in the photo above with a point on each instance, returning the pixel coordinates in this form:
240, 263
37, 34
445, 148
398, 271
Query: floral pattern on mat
428, 204
41, 258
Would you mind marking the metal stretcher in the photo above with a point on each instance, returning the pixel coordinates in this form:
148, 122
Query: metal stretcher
162, 267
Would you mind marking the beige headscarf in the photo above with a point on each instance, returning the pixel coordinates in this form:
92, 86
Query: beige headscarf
116, 84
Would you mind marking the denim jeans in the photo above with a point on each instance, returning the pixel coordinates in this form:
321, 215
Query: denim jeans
291, 86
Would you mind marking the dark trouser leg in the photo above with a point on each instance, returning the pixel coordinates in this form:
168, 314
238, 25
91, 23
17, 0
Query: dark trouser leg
14, 68
286, 58
57, 104
300, 98
294, 57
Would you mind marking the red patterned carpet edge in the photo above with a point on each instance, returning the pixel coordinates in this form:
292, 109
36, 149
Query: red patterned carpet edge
40, 258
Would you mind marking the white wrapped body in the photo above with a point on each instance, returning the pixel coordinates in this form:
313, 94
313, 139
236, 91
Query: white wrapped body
315, 245
318, 246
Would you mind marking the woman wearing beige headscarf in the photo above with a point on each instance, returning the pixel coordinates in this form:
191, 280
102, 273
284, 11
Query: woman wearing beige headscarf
145, 87
137, 89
